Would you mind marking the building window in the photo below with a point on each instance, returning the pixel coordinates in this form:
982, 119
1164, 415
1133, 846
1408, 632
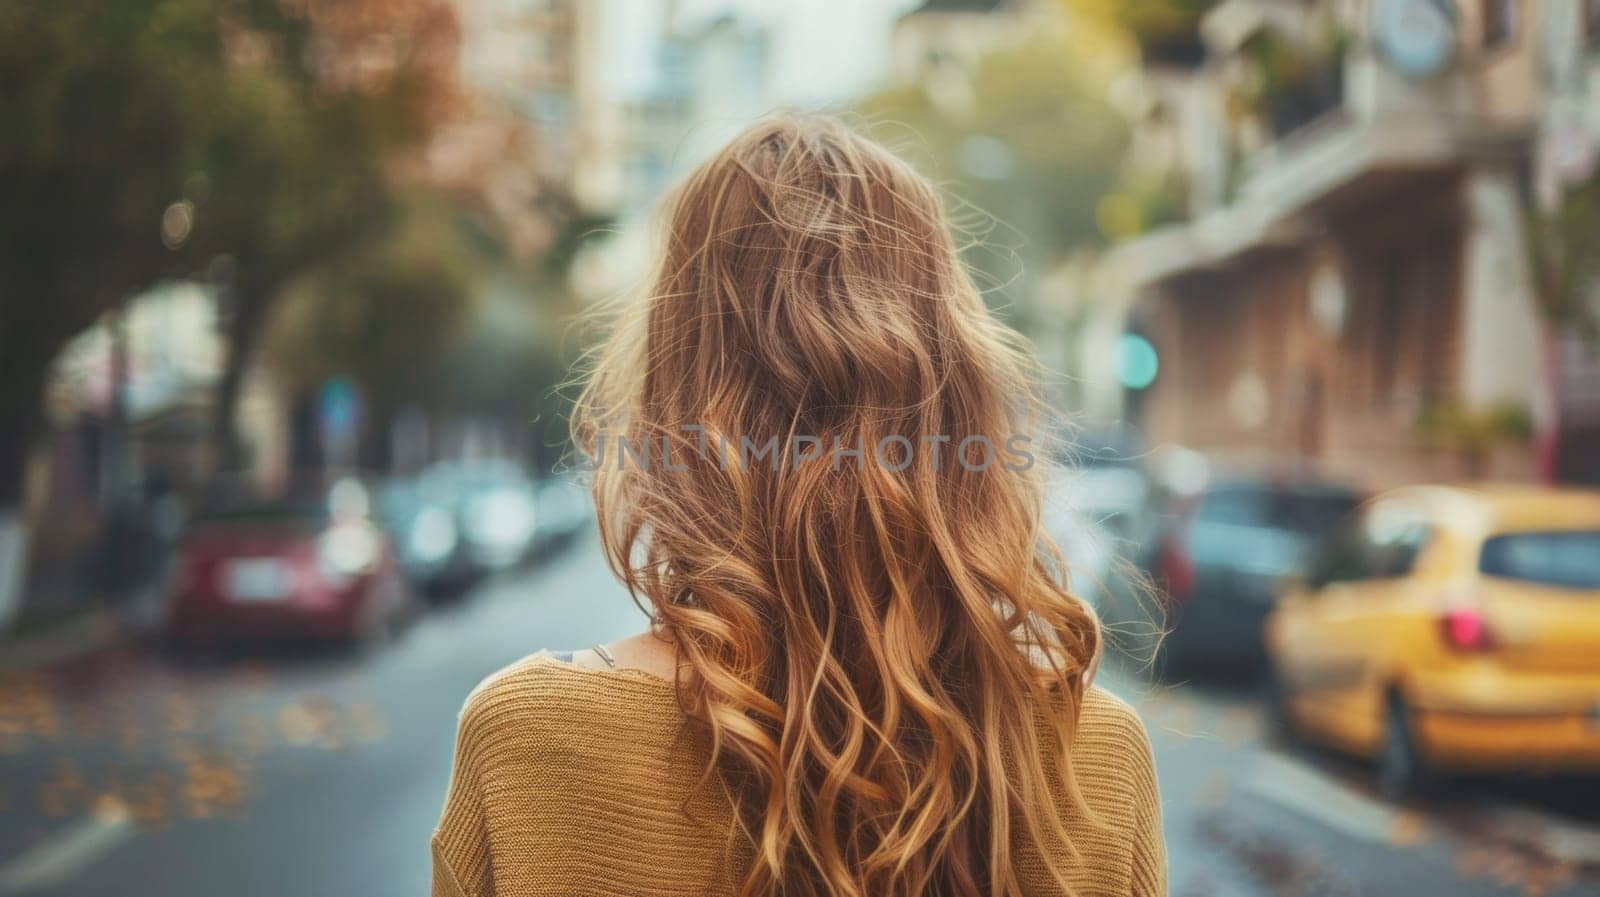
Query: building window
1590, 11
1499, 23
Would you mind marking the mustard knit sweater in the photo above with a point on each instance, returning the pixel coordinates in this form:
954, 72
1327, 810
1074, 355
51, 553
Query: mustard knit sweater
574, 781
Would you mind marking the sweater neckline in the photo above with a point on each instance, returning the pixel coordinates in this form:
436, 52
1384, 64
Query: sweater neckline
630, 674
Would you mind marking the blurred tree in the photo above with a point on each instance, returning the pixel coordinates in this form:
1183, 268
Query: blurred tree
320, 103
145, 139
1033, 151
1473, 434
384, 317
1563, 246
243, 141
1564, 251
508, 367
1167, 31
97, 142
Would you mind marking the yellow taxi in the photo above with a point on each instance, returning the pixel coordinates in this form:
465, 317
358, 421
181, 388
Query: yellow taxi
1449, 629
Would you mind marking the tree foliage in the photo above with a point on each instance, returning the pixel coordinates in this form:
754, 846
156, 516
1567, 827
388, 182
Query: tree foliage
1564, 252
1167, 31
97, 140
1473, 434
1029, 156
147, 139
384, 316
322, 101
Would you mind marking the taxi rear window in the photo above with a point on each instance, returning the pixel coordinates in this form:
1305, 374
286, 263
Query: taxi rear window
1565, 559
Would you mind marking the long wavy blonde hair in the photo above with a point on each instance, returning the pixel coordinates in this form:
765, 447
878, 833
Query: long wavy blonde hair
880, 646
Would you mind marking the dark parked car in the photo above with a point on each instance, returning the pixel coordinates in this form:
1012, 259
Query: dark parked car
493, 506
1220, 556
565, 510
307, 563
422, 520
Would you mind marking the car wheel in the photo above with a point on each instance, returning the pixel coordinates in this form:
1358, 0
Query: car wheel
1402, 770
1280, 719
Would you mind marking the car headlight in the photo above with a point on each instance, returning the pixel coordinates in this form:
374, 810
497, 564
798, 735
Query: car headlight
433, 535
347, 550
503, 518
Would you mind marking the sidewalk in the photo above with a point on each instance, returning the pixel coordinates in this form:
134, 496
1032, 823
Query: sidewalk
79, 633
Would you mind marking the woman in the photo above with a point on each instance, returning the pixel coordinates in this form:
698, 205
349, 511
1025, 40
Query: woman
863, 675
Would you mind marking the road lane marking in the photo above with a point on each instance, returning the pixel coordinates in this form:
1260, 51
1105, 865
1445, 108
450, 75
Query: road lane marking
1304, 790
56, 858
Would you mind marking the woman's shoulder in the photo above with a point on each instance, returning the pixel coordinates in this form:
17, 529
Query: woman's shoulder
543, 687
543, 700
546, 699
1113, 764
1106, 718
1111, 746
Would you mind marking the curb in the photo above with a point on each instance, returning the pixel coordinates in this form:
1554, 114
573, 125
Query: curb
81, 635
1559, 839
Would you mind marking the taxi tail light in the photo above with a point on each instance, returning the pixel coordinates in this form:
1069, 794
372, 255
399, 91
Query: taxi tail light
1465, 629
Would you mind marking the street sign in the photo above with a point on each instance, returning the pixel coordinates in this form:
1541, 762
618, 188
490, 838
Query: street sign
339, 410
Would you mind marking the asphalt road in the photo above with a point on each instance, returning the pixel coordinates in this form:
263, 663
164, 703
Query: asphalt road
126, 774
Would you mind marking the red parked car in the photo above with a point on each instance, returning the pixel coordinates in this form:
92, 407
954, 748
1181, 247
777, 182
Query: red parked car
308, 564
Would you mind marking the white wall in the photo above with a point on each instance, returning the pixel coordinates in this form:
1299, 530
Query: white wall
1500, 327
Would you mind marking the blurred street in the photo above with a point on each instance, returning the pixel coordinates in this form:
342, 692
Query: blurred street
324, 774
296, 297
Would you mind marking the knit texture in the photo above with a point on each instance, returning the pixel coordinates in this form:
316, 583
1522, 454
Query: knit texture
569, 780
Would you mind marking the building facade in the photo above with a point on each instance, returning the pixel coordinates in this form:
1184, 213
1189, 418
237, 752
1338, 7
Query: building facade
1353, 283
